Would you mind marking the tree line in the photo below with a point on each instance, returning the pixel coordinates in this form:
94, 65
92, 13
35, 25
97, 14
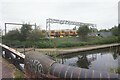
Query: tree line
84, 30
29, 36
25, 33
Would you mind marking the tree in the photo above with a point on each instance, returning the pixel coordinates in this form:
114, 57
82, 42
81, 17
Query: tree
115, 31
74, 28
25, 31
12, 35
36, 34
83, 31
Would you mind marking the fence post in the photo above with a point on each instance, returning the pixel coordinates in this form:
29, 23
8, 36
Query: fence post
24, 49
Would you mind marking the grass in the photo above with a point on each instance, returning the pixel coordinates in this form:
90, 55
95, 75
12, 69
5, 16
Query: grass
115, 70
65, 42
90, 41
18, 75
106, 40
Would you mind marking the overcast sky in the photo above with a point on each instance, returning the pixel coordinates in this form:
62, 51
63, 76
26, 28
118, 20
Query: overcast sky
104, 13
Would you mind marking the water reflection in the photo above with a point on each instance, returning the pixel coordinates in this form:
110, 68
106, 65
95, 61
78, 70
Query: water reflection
84, 61
101, 60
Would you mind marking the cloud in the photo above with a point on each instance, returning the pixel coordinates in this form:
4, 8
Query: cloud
101, 12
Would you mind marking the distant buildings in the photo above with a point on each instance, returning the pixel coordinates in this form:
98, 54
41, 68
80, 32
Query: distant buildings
104, 34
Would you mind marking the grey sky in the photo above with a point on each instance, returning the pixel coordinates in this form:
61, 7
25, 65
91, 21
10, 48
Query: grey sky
104, 13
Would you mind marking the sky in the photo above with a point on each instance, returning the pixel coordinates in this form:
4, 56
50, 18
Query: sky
104, 13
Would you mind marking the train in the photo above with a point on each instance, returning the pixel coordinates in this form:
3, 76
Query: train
62, 33
40, 66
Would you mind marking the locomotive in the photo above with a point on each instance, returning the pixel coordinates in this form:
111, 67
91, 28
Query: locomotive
38, 65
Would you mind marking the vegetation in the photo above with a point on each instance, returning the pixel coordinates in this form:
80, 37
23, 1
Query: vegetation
45, 43
18, 75
12, 35
119, 32
25, 31
28, 37
83, 32
115, 70
115, 31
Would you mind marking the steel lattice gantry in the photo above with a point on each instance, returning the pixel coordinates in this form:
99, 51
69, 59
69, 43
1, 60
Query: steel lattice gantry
48, 21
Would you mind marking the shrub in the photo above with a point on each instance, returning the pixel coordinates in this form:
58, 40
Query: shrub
44, 44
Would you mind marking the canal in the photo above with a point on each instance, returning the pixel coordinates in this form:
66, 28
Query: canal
100, 60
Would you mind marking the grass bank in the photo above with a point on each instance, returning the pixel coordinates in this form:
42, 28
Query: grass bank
75, 42
18, 75
65, 42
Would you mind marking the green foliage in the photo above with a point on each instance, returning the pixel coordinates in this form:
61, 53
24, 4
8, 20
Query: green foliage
106, 40
27, 44
115, 31
12, 35
119, 32
25, 31
70, 44
116, 70
62, 42
83, 31
74, 28
18, 75
36, 34
45, 45
26, 36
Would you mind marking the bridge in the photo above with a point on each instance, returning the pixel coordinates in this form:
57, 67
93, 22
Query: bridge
38, 65
12, 55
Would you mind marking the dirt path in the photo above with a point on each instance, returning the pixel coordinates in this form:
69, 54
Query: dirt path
7, 69
70, 50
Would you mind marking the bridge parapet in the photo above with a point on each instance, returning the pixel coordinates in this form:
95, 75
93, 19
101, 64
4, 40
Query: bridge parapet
12, 50
13, 56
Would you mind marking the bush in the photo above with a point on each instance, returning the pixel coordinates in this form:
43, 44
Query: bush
106, 40
46, 43
70, 44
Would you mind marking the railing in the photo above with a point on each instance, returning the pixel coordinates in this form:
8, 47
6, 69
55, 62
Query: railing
14, 56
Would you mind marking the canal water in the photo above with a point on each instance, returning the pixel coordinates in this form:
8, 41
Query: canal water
99, 60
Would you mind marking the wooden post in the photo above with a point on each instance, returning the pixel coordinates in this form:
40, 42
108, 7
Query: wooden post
62, 59
24, 49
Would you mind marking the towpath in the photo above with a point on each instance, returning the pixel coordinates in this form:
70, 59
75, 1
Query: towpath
71, 50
